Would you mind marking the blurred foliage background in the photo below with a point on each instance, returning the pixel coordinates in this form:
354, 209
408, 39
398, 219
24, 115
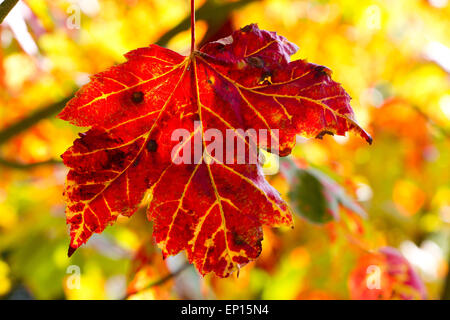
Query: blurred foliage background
392, 56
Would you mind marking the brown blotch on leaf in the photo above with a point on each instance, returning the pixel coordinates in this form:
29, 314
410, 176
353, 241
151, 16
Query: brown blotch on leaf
266, 78
323, 133
237, 239
152, 146
220, 47
137, 97
116, 158
256, 62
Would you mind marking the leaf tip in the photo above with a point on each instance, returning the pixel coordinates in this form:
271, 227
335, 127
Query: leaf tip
366, 136
369, 139
71, 251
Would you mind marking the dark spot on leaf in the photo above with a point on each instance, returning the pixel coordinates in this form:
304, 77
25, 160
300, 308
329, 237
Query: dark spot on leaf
237, 239
116, 158
220, 47
152, 145
87, 192
137, 97
256, 62
266, 74
209, 81
321, 134
265, 78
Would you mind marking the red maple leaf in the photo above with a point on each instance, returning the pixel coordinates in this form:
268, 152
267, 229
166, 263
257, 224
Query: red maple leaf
214, 211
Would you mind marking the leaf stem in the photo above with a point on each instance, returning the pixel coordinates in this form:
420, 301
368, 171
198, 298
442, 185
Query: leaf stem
192, 26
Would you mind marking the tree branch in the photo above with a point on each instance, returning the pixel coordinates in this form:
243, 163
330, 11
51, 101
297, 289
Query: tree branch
168, 277
24, 124
442, 130
6, 7
165, 278
27, 166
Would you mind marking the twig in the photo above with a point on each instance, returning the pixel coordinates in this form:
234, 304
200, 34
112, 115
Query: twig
168, 277
26, 166
6, 7
31, 120
433, 123
420, 112
165, 278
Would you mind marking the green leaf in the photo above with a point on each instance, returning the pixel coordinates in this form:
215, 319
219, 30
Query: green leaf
308, 199
314, 195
